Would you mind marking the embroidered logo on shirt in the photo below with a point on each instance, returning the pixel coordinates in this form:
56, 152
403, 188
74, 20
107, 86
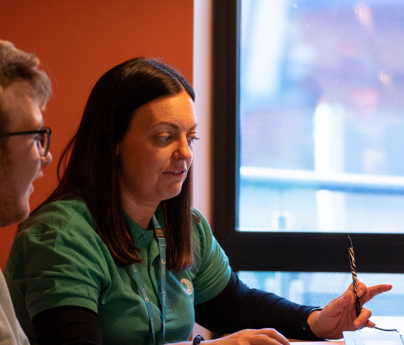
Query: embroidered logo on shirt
186, 285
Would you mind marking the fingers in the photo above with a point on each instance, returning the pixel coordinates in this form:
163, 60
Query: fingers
367, 293
272, 334
265, 336
369, 324
361, 288
340, 315
261, 339
373, 291
363, 319
378, 289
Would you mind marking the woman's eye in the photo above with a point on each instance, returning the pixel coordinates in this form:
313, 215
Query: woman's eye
191, 140
164, 138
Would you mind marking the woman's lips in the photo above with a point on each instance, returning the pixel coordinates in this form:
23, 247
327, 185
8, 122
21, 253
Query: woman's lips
177, 173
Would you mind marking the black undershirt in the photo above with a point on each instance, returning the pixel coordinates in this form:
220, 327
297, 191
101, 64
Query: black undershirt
68, 325
237, 307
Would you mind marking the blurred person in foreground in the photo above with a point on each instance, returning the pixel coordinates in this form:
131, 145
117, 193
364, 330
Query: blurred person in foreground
116, 255
24, 150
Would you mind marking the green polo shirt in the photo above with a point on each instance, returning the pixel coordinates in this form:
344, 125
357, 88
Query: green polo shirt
58, 259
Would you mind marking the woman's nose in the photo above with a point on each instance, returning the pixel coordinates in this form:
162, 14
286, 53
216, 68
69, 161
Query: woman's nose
184, 151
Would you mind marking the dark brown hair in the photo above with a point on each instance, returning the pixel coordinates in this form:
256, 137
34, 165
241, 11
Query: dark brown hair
91, 166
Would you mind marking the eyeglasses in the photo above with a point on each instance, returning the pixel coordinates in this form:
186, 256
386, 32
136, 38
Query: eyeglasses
43, 140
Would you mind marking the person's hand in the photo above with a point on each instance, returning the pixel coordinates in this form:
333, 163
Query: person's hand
339, 315
252, 337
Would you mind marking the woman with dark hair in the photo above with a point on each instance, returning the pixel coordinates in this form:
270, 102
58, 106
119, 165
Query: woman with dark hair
116, 255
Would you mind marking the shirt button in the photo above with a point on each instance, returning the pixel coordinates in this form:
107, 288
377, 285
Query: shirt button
142, 237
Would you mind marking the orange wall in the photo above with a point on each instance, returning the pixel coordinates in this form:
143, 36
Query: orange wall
77, 41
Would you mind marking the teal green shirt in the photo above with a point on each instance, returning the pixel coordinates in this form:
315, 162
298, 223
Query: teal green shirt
58, 259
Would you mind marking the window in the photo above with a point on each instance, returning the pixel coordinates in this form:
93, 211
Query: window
309, 137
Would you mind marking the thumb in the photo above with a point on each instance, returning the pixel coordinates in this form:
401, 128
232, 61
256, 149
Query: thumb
338, 304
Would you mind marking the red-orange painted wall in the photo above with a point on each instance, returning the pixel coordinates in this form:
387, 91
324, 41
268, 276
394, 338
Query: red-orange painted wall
79, 40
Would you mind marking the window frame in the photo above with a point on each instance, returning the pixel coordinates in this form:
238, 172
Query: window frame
272, 251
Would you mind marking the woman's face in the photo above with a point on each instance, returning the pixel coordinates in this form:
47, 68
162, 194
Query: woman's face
156, 151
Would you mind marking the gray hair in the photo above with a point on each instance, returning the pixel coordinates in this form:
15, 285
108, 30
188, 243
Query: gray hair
17, 65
